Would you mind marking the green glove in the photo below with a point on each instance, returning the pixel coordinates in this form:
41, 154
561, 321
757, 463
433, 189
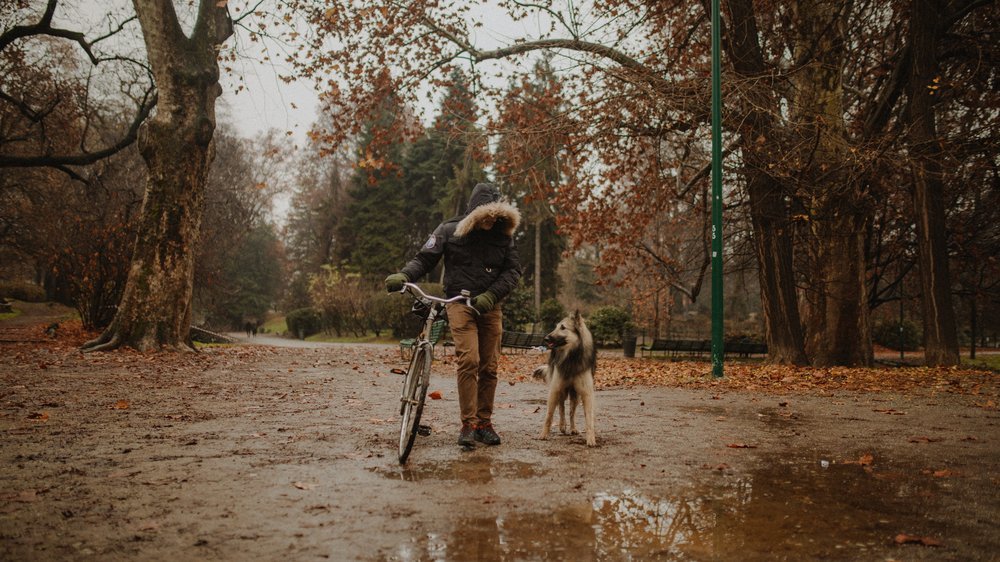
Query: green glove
484, 302
394, 282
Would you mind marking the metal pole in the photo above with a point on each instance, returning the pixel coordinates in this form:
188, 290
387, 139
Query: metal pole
717, 328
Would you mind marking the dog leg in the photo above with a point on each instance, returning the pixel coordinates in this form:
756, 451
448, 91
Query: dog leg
574, 398
587, 396
553, 399
562, 413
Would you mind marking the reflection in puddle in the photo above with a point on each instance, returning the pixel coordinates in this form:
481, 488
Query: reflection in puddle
471, 470
787, 510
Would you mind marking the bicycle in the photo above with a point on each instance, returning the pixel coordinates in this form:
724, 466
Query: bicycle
418, 375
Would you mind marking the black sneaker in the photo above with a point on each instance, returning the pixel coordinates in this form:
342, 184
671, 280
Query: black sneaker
486, 435
467, 438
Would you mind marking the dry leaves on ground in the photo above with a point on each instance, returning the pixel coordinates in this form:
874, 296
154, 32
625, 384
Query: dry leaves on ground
613, 372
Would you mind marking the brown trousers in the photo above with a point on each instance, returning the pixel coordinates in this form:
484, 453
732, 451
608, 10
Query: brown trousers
477, 348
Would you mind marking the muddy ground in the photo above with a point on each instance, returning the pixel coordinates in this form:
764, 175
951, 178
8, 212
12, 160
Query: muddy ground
264, 453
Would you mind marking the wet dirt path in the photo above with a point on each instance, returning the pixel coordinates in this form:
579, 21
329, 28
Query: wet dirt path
290, 454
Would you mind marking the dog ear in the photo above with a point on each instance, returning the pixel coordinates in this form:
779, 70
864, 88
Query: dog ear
576, 317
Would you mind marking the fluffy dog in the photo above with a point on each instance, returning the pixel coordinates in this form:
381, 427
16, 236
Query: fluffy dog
570, 374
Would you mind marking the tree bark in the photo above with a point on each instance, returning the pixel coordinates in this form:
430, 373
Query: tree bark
940, 334
838, 322
768, 210
176, 143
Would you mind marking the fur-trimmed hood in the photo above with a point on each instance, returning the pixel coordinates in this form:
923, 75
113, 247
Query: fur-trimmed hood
507, 216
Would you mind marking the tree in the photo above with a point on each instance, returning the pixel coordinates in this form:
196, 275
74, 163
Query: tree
176, 143
52, 122
812, 115
532, 163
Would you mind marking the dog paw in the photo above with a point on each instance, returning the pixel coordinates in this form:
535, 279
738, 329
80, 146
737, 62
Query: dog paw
591, 441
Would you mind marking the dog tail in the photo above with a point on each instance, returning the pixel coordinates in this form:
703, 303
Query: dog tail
541, 373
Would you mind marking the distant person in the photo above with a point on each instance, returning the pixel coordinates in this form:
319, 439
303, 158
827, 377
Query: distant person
479, 256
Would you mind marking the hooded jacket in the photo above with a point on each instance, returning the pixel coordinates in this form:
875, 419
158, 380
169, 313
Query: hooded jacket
474, 259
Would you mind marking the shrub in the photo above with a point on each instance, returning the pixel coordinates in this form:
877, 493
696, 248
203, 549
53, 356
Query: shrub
608, 324
304, 322
552, 312
518, 308
26, 292
887, 334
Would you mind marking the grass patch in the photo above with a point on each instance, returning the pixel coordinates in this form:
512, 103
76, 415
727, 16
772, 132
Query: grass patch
367, 338
275, 325
14, 313
204, 345
982, 361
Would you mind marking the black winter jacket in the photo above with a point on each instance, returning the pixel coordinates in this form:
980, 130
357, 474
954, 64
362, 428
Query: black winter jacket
474, 259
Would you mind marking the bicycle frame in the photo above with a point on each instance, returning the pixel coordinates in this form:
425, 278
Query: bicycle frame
414, 392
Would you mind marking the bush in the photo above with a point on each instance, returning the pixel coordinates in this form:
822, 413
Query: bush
303, 322
26, 292
887, 334
552, 312
608, 325
519, 308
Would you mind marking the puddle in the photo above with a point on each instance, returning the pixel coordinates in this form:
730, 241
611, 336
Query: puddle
791, 509
471, 470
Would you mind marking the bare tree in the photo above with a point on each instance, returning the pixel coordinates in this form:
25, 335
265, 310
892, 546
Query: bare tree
176, 143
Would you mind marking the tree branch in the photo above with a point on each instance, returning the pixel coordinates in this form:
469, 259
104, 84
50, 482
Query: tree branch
83, 159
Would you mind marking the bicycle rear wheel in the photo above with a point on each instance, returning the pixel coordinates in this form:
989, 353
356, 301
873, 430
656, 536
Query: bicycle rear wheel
414, 395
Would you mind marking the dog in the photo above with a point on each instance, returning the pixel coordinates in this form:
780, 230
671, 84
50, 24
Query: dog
570, 374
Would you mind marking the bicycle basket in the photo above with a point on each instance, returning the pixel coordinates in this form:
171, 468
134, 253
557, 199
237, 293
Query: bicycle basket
421, 308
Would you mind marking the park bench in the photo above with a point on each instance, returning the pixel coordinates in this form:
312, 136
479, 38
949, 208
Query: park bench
698, 347
437, 330
521, 341
746, 348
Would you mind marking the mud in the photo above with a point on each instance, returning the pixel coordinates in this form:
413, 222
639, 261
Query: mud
265, 453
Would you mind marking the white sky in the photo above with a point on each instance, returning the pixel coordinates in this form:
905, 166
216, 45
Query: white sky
268, 102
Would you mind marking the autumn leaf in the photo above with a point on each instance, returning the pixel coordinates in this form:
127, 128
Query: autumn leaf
436, 395
303, 485
38, 416
865, 460
121, 405
741, 446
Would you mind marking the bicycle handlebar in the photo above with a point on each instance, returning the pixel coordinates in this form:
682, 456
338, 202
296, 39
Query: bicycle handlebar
414, 288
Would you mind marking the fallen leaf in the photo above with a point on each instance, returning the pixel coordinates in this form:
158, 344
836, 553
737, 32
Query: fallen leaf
741, 446
302, 485
865, 460
436, 395
923, 439
903, 538
38, 416
121, 405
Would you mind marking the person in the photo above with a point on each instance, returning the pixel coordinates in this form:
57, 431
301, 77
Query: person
480, 256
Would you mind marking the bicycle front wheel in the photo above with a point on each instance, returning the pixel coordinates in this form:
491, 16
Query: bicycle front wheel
414, 395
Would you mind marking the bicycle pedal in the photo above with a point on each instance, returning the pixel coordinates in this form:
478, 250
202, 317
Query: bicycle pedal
424, 430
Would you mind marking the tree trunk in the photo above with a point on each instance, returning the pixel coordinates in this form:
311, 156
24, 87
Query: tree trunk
838, 317
940, 334
768, 210
176, 143
538, 266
